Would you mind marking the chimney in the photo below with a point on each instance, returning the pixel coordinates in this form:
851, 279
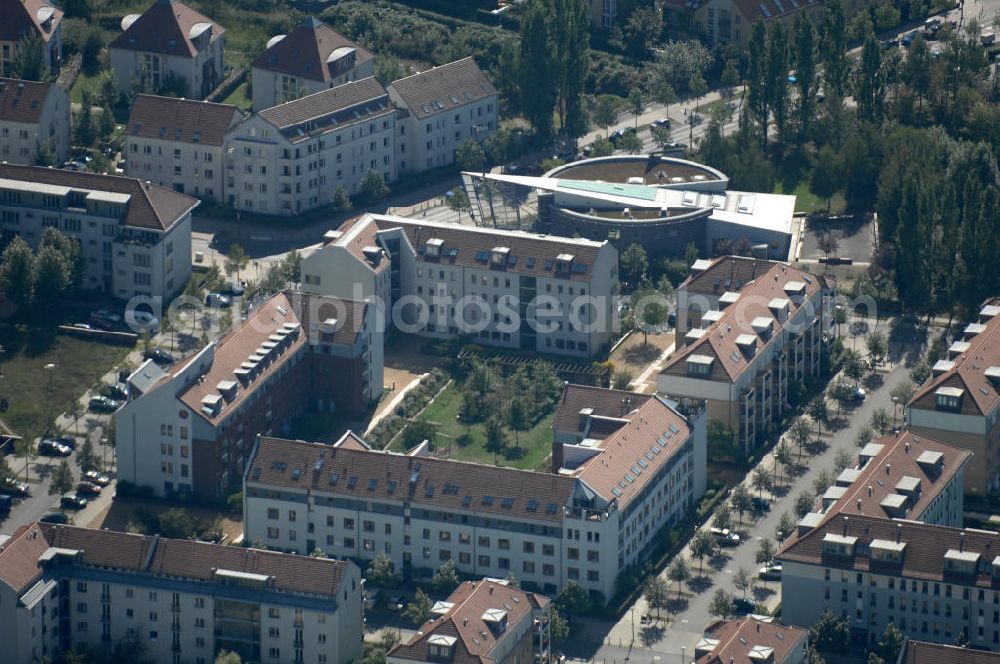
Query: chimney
758, 627
907, 448
899, 532
888, 469
870, 491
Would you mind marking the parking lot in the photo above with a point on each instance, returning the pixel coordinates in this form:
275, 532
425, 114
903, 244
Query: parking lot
854, 236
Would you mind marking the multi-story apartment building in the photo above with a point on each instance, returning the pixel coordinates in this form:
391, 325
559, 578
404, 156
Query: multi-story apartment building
192, 428
748, 332
934, 583
439, 110
290, 158
905, 476
135, 236
311, 58
960, 402
588, 412
64, 588
482, 621
22, 18
178, 143
752, 640
513, 289
34, 122
600, 514
169, 39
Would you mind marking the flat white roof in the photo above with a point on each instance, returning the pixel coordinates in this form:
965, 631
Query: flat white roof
964, 556
894, 501
109, 197
950, 391
242, 576
849, 540
36, 187
887, 545
871, 450
695, 358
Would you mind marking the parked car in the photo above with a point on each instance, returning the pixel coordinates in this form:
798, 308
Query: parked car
217, 300
662, 122
13, 487
396, 603
859, 394
103, 405
742, 606
770, 572
73, 501
6, 502
675, 146
117, 391
160, 356
47, 447
372, 598
67, 440
88, 489
908, 38
54, 517
100, 479
889, 44
725, 537
616, 136
142, 321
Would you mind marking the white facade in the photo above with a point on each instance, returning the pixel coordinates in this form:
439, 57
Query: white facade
431, 142
559, 312
200, 72
587, 539
281, 166
119, 258
271, 88
177, 617
20, 142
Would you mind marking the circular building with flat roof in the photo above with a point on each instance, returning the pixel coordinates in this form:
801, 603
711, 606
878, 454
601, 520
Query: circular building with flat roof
661, 203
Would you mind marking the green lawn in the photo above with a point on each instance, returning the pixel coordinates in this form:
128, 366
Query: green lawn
239, 97
805, 200
83, 81
531, 449
25, 381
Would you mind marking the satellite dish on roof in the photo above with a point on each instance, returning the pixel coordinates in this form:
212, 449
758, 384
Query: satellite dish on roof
128, 21
274, 40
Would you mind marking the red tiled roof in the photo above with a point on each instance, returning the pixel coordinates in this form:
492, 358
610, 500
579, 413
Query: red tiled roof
653, 425
181, 120
150, 207
196, 560
464, 621
165, 28
355, 235
604, 402
921, 652
308, 310
443, 88
22, 101
771, 9
384, 476
305, 52
19, 557
923, 557
22, 16
896, 460
737, 638
334, 108
757, 282
980, 396
535, 254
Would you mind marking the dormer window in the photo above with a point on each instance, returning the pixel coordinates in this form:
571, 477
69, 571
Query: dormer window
747, 343
931, 462
988, 312
433, 248
993, 375
795, 290
839, 545
227, 388
710, 317
886, 551
972, 329
564, 263
762, 326
727, 298
700, 365
960, 562
779, 307
499, 257
942, 366
958, 348
441, 647
949, 398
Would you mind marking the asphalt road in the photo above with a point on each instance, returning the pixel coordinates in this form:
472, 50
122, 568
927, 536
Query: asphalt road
603, 641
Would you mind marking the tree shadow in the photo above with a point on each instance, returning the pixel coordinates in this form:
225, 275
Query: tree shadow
907, 341
779, 491
718, 561
641, 354
513, 453
700, 584
874, 381
761, 592
677, 605
652, 634
817, 447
